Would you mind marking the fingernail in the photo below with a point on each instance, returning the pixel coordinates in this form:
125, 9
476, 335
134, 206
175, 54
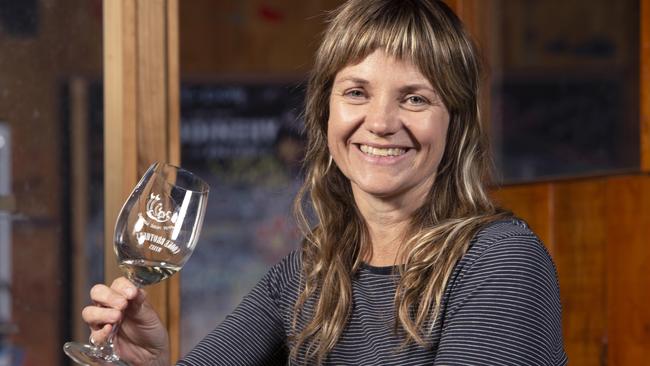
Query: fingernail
130, 291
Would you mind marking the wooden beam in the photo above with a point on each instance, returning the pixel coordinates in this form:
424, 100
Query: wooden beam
644, 87
79, 199
534, 204
141, 118
628, 260
174, 157
579, 232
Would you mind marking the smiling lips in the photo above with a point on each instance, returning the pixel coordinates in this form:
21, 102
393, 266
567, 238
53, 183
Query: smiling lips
376, 151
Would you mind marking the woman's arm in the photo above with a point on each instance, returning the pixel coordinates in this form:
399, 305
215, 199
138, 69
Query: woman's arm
254, 333
505, 309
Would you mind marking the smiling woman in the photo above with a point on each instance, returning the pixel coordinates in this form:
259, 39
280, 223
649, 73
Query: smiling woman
386, 132
407, 260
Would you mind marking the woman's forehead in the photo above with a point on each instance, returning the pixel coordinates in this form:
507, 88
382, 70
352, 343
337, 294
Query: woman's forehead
378, 64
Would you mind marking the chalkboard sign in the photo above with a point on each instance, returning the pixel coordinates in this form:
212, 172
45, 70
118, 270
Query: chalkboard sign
247, 142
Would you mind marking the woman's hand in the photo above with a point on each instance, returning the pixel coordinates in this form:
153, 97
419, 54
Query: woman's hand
141, 339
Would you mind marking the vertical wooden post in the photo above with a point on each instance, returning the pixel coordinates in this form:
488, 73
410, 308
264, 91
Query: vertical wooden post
141, 118
478, 20
79, 198
644, 87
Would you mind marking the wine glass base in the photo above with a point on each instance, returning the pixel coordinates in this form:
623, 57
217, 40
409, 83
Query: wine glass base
87, 355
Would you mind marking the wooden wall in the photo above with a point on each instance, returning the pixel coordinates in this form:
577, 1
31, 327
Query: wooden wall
597, 231
250, 40
34, 68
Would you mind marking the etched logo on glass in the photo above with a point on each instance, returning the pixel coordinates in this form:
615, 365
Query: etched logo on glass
155, 210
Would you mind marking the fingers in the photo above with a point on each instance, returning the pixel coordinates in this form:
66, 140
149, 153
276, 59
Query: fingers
117, 296
110, 305
136, 303
96, 317
99, 335
107, 297
125, 287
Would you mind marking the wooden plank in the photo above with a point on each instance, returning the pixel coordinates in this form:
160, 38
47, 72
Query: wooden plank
141, 120
480, 19
79, 199
644, 87
534, 204
580, 241
119, 119
152, 83
173, 149
628, 261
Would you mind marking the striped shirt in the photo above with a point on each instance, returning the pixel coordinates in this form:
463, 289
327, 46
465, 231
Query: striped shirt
501, 307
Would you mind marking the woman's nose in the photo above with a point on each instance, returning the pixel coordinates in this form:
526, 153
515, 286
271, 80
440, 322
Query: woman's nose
383, 117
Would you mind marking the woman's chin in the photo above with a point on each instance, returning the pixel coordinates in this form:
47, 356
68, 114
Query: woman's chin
379, 190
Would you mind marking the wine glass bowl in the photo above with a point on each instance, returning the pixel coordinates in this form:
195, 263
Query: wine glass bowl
155, 234
158, 227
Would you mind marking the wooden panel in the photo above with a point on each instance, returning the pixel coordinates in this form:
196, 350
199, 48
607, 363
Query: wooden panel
628, 265
173, 150
269, 39
580, 246
644, 101
151, 109
79, 199
142, 116
119, 118
533, 203
480, 19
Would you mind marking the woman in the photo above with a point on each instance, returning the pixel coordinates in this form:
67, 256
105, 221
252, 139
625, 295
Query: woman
409, 261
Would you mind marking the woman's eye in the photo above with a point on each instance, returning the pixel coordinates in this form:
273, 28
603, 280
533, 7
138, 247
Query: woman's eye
416, 100
355, 93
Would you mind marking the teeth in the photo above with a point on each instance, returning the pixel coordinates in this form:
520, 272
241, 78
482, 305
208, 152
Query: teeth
382, 152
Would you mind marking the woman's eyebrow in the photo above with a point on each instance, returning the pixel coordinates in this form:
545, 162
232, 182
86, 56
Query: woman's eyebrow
354, 79
415, 87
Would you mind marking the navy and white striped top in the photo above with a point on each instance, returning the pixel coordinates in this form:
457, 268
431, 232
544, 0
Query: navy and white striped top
501, 307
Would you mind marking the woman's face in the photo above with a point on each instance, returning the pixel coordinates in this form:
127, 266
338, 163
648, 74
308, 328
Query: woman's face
387, 128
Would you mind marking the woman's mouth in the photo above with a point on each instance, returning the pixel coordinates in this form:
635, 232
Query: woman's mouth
378, 151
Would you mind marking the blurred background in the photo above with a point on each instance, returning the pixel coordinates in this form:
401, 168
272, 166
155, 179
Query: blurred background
92, 91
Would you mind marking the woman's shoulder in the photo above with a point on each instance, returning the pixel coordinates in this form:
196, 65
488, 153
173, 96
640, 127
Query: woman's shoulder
505, 235
505, 257
285, 275
289, 265
506, 244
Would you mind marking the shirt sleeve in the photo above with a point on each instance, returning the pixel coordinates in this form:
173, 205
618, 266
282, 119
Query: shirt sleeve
505, 309
253, 334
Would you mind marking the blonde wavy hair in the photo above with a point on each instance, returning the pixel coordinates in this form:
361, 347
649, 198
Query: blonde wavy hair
428, 34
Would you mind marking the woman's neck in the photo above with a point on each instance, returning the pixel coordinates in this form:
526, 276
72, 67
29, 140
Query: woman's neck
388, 221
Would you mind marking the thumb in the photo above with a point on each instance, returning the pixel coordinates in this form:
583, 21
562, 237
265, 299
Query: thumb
136, 303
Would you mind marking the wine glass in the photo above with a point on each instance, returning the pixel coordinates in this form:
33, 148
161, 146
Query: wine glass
155, 234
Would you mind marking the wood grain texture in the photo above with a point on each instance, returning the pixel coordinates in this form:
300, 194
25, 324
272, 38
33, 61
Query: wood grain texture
79, 199
259, 38
173, 149
119, 119
598, 230
151, 125
141, 118
579, 234
534, 204
644, 89
628, 265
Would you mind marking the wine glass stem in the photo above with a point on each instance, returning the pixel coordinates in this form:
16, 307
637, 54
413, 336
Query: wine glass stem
106, 349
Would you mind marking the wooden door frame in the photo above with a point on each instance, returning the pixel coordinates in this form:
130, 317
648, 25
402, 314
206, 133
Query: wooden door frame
141, 119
